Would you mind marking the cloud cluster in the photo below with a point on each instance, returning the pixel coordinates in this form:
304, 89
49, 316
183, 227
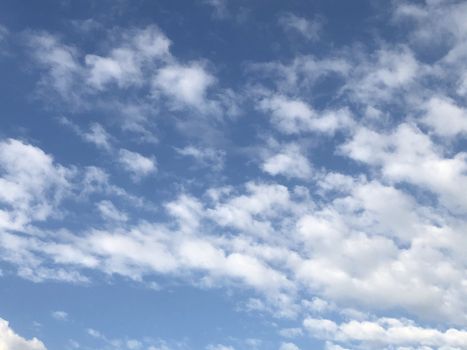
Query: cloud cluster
385, 333
377, 230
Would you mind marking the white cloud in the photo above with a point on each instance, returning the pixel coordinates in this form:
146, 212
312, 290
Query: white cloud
289, 346
124, 64
209, 157
136, 164
309, 28
110, 212
331, 346
31, 184
9, 340
244, 212
133, 344
385, 332
60, 315
369, 245
389, 74
291, 332
94, 333
292, 116
60, 61
289, 162
186, 85
98, 136
407, 155
386, 236
317, 305
445, 117
300, 75
126, 342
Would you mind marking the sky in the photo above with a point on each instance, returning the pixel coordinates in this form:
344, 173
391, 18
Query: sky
233, 175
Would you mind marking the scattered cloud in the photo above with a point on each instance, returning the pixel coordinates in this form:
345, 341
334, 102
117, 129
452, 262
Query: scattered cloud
385, 333
60, 315
292, 116
219, 347
185, 85
31, 184
289, 162
289, 346
219, 8
310, 29
208, 157
375, 129
110, 212
136, 164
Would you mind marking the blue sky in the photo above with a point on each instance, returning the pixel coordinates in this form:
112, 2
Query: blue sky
229, 175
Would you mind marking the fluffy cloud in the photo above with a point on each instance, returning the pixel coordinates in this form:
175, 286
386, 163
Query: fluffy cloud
289, 346
292, 116
381, 230
289, 162
98, 136
123, 65
407, 155
445, 117
137, 61
370, 245
386, 332
136, 164
31, 184
9, 340
388, 74
60, 62
185, 85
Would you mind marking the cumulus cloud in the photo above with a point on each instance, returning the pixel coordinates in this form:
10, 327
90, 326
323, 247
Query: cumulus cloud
124, 65
289, 346
136, 164
185, 85
9, 340
289, 162
292, 116
445, 117
407, 155
137, 61
386, 333
31, 184
379, 230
